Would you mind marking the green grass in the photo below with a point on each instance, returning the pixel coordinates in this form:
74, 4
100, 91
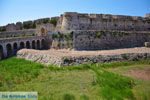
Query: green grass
85, 82
17, 71
142, 87
125, 63
117, 86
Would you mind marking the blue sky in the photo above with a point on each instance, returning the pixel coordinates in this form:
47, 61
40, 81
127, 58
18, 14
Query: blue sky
12, 11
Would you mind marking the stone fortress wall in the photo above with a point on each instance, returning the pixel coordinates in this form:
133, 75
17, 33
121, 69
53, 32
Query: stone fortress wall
90, 31
70, 21
27, 28
78, 21
18, 33
105, 40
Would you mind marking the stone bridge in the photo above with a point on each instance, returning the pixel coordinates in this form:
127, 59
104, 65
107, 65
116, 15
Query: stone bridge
9, 46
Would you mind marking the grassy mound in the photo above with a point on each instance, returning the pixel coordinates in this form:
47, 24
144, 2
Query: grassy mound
85, 82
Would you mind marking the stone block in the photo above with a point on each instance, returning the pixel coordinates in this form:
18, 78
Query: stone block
147, 44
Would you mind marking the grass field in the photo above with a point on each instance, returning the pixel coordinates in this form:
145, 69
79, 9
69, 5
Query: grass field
85, 82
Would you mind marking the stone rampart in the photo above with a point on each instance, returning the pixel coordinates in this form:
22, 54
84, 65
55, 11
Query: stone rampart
18, 33
98, 40
78, 21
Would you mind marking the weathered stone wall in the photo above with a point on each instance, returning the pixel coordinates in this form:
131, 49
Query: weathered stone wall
104, 58
62, 44
97, 40
45, 29
9, 46
18, 33
48, 58
62, 41
26, 24
77, 21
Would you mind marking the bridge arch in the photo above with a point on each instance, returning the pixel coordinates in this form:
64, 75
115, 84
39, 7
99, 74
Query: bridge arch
22, 45
15, 46
28, 45
33, 44
1, 52
38, 44
9, 49
42, 44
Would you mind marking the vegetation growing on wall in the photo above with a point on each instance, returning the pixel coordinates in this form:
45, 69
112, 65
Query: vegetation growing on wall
146, 20
98, 35
53, 21
61, 36
26, 26
45, 21
63, 40
71, 34
2, 29
34, 25
54, 36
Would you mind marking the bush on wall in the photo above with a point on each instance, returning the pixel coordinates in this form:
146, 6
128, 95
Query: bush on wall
53, 21
98, 35
54, 36
45, 21
26, 26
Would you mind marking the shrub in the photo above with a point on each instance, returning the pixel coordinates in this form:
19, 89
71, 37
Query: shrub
45, 21
116, 25
7, 36
84, 97
70, 34
33, 34
34, 25
23, 35
1, 84
124, 56
54, 36
26, 26
53, 21
65, 35
60, 36
66, 60
16, 35
69, 97
3, 29
71, 43
98, 35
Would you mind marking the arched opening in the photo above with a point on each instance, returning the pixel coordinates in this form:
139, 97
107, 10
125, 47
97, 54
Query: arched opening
1, 52
42, 44
33, 44
43, 31
28, 45
38, 44
9, 50
21, 45
15, 46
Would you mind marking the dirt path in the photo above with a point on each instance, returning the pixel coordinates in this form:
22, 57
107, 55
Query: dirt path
65, 52
142, 74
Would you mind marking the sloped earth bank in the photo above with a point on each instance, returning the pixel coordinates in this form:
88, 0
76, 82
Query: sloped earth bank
71, 57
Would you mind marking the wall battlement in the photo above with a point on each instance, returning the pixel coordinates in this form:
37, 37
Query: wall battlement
83, 21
